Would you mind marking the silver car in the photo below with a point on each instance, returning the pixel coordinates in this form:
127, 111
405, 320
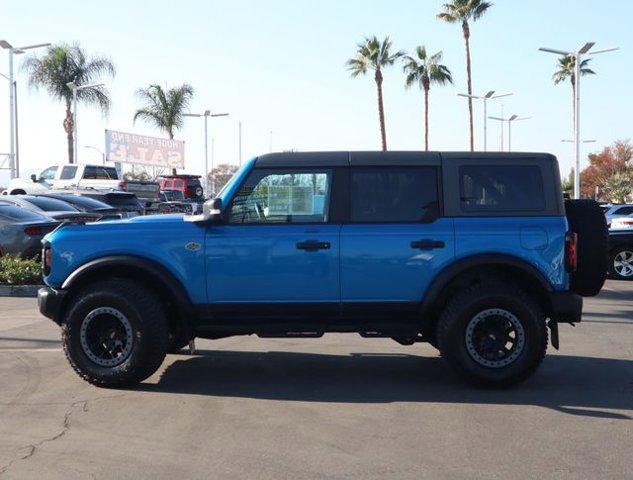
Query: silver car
22, 230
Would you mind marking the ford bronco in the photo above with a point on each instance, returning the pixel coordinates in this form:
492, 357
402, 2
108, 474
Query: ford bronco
474, 253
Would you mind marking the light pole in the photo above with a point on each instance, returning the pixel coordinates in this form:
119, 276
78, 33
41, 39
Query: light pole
17, 143
76, 88
577, 56
103, 158
14, 51
513, 118
206, 114
488, 96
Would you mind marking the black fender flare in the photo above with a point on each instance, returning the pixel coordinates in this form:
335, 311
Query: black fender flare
155, 271
480, 260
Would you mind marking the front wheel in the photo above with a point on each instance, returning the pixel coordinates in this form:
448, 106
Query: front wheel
621, 263
492, 335
115, 333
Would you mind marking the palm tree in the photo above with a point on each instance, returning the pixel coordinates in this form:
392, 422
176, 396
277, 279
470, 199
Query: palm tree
426, 70
63, 64
164, 109
464, 11
566, 68
374, 55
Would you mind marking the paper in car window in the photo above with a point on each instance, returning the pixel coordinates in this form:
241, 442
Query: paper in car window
287, 200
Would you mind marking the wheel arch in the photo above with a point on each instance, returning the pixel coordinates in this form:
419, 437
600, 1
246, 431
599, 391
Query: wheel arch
479, 268
147, 272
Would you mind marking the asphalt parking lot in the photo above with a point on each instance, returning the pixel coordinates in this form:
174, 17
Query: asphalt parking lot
336, 407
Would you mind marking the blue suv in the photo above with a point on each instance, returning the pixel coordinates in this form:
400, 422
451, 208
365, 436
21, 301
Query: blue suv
476, 253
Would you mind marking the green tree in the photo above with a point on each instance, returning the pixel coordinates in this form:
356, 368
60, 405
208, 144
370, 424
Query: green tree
164, 109
425, 70
373, 54
566, 69
619, 187
63, 64
464, 11
568, 183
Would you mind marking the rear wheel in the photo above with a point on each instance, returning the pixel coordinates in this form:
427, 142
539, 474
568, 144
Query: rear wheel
621, 263
492, 335
115, 333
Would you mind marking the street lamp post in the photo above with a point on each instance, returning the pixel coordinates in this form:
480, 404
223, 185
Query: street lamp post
14, 51
76, 88
513, 118
488, 96
103, 157
577, 56
206, 115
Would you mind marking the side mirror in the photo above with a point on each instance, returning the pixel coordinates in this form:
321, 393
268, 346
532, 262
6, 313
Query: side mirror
33, 177
211, 212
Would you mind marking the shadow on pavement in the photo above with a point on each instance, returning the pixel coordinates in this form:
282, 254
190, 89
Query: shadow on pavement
573, 385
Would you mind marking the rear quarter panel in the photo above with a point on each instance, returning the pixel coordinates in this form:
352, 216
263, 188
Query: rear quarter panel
539, 241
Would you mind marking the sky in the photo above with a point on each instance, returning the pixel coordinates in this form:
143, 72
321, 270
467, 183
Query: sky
279, 66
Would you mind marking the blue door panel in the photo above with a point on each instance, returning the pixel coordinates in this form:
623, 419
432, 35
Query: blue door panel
539, 241
378, 263
263, 264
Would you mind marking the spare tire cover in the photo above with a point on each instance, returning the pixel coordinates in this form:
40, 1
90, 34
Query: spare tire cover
586, 219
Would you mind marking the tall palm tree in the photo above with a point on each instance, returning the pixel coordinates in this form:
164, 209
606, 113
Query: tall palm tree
426, 70
164, 109
63, 64
464, 11
375, 55
566, 69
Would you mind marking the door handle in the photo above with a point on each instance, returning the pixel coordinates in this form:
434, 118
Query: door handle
427, 244
313, 245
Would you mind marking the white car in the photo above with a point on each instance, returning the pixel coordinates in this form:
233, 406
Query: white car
76, 176
617, 211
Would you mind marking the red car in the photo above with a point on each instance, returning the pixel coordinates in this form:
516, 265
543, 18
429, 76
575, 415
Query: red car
189, 185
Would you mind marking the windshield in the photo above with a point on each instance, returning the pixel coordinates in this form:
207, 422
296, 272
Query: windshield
50, 204
13, 213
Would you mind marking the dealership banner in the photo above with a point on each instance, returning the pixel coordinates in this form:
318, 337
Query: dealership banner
142, 150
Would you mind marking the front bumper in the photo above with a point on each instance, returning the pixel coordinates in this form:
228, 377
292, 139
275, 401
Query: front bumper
566, 307
50, 303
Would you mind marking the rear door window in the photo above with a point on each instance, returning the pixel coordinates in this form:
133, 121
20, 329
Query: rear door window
68, 173
501, 188
394, 195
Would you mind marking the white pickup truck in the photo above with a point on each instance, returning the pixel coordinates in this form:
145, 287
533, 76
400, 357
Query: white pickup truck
80, 176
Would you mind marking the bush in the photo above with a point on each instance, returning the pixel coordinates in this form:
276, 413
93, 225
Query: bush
19, 271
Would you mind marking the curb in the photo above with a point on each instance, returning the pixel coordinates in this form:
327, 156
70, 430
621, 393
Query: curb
19, 290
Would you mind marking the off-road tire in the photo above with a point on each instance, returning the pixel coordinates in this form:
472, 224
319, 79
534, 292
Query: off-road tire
452, 326
142, 308
587, 220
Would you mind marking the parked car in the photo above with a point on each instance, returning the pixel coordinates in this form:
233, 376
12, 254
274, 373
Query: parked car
51, 207
189, 185
173, 201
611, 212
621, 254
76, 176
126, 203
475, 253
87, 204
22, 230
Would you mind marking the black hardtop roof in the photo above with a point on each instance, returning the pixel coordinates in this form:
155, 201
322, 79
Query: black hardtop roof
184, 175
347, 158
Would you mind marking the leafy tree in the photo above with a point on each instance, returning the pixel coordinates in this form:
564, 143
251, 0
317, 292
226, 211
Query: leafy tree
373, 54
616, 158
221, 175
568, 183
63, 64
618, 187
465, 11
164, 109
425, 70
566, 69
